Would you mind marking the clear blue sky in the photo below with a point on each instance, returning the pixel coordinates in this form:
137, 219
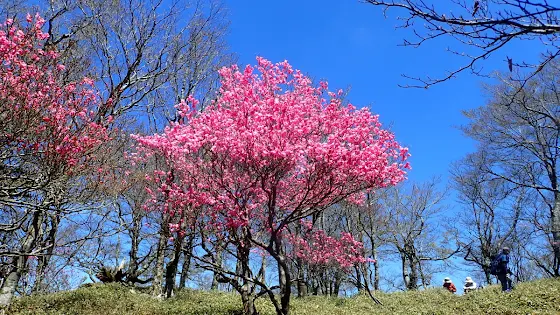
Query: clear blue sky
350, 44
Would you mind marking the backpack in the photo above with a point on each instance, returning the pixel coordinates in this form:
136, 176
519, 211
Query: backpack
495, 267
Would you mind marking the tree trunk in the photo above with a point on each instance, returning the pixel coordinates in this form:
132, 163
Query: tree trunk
285, 285
247, 289
171, 269
132, 272
10, 284
405, 275
413, 284
337, 283
375, 270
359, 284
555, 227
301, 284
316, 288
44, 260
187, 256
219, 261
160, 256
38, 285
487, 274
248, 303
34, 233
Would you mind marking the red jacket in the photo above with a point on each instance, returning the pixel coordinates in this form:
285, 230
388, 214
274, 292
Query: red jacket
450, 286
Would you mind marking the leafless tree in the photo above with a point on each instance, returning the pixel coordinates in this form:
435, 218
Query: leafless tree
481, 28
518, 135
492, 209
416, 238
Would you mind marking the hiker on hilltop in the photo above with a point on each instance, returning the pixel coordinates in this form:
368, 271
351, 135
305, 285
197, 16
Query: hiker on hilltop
448, 284
470, 285
501, 269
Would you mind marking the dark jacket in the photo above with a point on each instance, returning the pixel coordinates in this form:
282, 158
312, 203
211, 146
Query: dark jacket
504, 262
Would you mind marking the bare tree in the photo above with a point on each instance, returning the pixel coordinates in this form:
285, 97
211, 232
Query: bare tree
518, 134
492, 210
481, 28
415, 237
368, 222
145, 55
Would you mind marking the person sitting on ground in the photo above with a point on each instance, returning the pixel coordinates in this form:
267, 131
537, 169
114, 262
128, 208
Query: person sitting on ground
448, 284
470, 285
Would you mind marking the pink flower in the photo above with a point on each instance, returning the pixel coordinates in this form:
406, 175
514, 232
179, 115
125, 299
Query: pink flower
271, 147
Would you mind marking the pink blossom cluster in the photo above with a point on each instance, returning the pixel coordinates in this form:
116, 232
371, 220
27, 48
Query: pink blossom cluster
40, 113
272, 148
319, 249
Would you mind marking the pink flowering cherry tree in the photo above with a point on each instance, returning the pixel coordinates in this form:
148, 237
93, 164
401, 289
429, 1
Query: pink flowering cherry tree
47, 135
273, 149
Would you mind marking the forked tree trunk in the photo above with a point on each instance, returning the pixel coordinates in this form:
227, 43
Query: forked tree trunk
248, 303
284, 279
44, 260
34, 233
171, 270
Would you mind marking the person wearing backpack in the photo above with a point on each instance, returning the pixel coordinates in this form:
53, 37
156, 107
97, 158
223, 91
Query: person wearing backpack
500, 268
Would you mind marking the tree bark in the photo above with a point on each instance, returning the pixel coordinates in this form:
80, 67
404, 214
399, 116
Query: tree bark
555, 228
413, 284
337, 283
10, 283
171, 269
247, 289
359, 284
248, 303
133, 266
285, 284
187, 256
375, 270
35, 231
219, 261
160, 255
301, 283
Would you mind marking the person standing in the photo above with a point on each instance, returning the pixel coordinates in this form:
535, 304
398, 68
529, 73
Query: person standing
448, 284
503, 271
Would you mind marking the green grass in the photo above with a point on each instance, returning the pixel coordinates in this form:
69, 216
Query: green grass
538, 297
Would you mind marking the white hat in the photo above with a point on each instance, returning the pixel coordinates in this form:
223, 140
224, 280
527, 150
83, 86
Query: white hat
447, 280
469, 280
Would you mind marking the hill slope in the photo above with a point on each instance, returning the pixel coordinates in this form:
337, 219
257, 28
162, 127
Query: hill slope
538, 297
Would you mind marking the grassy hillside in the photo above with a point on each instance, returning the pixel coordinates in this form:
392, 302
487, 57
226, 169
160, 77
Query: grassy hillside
539, 297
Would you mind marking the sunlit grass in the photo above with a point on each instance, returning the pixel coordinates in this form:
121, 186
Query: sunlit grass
538, 297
